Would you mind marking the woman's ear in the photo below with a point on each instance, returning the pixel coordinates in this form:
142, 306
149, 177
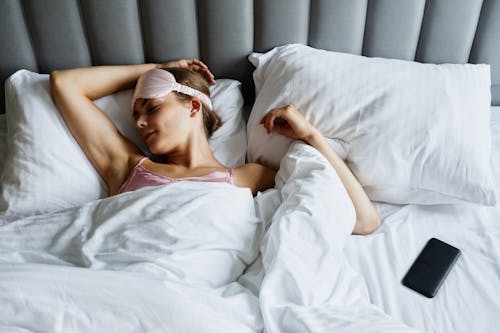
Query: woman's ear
196, 106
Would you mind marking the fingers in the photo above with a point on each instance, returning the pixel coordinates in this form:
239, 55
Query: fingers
288, 121
199, 66
209, 76
199, 63
264, 122
271, 118
192, 64
269, 123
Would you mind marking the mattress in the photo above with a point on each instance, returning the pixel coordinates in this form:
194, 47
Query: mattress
468, 299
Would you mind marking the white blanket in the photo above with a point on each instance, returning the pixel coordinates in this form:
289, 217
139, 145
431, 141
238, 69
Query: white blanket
172, 258
308, 286
149, 260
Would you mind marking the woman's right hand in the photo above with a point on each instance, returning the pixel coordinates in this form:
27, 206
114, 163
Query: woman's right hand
288, 121
192, 64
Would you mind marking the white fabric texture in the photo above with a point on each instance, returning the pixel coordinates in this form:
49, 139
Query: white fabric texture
160, 256
468, 299
305, 281
45, 168
416, 133
177, 239
61, 299
308, 286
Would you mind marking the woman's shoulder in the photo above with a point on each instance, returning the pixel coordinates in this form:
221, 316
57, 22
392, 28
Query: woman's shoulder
251, 166
254, 169
256, 176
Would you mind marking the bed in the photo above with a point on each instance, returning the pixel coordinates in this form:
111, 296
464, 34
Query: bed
172, 258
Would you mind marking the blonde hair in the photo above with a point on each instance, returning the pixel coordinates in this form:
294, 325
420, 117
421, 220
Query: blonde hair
195, 80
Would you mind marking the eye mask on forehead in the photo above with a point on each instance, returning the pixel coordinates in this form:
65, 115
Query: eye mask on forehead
158, 83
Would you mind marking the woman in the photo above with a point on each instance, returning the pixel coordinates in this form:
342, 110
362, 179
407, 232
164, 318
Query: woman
172, 112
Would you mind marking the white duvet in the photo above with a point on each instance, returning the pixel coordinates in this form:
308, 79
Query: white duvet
173, 259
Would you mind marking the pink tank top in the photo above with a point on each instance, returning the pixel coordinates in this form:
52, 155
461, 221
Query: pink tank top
141, 177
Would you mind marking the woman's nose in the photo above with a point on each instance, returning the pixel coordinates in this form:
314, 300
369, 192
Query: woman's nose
141, 122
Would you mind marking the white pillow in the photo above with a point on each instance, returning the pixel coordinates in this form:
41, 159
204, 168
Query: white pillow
417, 133
46, 170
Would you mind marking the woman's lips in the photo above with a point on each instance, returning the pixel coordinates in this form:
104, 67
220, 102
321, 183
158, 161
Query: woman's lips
149, 135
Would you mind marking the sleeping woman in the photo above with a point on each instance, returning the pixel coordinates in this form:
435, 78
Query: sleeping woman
172, 111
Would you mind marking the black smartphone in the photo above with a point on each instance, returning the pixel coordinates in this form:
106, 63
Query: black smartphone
431, 267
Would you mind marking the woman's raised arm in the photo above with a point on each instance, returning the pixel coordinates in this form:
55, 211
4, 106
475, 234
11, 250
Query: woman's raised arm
289, 121
73, 91
99, 81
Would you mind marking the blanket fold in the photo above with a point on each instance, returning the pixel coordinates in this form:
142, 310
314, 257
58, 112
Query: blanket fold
308, 286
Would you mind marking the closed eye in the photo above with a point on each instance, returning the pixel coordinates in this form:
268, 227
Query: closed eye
153, 109
136, 114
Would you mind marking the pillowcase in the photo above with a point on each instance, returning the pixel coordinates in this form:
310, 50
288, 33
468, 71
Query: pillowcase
45, 168
417, 133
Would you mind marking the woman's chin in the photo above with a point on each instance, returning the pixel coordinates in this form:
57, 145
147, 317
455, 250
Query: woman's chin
155, 150
159, 147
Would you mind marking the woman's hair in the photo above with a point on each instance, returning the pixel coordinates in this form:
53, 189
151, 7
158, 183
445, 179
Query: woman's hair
195, 80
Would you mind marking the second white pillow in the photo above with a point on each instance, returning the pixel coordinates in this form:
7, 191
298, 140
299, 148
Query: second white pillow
417, 133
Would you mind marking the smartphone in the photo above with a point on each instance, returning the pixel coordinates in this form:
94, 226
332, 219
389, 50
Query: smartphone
431, 267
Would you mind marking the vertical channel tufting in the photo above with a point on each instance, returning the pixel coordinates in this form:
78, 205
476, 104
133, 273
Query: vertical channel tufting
42, 35
113, 31
486, 44
225, 28
337, 25
57, 34
280, 22
170, 30
16, 51
392, 28
448, 30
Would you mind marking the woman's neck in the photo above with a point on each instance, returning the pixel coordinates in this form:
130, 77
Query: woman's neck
195, 154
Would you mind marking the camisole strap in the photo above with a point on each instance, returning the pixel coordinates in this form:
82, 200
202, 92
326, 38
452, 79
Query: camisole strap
131, 174
231, 176
141, 160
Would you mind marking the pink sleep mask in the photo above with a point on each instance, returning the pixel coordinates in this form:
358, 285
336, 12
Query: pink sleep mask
158, 83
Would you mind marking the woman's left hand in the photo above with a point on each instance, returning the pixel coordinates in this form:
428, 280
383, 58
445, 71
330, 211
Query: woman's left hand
288, 121
192, 64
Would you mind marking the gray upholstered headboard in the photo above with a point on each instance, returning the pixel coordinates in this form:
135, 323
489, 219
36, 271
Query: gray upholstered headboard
43, 35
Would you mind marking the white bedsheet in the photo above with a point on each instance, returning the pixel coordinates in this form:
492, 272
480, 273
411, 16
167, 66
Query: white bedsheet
306, 282
468, 301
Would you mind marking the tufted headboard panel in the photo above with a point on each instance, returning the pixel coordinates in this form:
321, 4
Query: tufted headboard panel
56, 34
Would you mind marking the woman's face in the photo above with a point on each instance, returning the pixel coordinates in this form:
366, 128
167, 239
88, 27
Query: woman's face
164, 123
